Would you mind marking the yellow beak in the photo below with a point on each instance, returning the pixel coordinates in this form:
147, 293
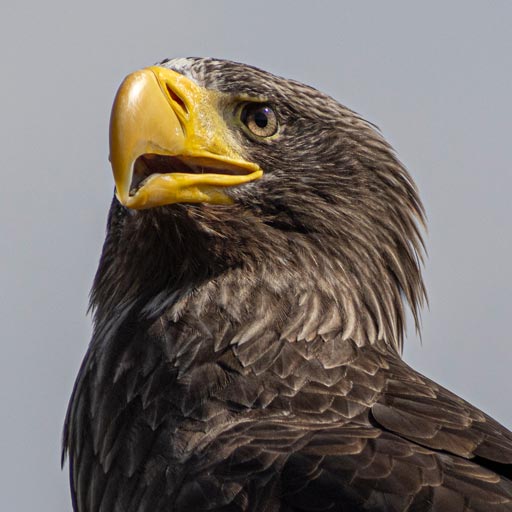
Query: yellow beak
160, 112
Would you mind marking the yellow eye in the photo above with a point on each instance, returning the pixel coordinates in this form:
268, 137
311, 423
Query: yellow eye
260, 119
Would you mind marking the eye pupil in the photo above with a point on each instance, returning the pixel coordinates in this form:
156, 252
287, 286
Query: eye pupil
259, 119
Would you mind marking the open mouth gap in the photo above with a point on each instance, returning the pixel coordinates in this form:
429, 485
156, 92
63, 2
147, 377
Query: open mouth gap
151, 164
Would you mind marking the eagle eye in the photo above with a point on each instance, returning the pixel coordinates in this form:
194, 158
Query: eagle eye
260, 119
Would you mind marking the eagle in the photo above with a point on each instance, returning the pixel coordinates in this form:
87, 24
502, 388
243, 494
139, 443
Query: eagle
263, 246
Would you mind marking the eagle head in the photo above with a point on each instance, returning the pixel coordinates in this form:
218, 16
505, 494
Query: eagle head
229, 175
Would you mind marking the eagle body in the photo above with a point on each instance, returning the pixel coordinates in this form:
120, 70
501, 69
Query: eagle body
246, 349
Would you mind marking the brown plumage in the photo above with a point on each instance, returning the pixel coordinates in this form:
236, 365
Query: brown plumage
246, 357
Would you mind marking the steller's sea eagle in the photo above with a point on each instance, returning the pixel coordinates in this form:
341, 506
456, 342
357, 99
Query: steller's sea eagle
261, 248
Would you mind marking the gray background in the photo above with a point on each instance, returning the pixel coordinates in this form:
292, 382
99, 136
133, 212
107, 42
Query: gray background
436, 77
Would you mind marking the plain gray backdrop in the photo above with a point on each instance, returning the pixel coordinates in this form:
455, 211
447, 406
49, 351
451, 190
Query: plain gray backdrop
436, 77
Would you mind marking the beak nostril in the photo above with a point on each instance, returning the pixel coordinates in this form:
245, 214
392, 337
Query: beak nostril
177, 99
